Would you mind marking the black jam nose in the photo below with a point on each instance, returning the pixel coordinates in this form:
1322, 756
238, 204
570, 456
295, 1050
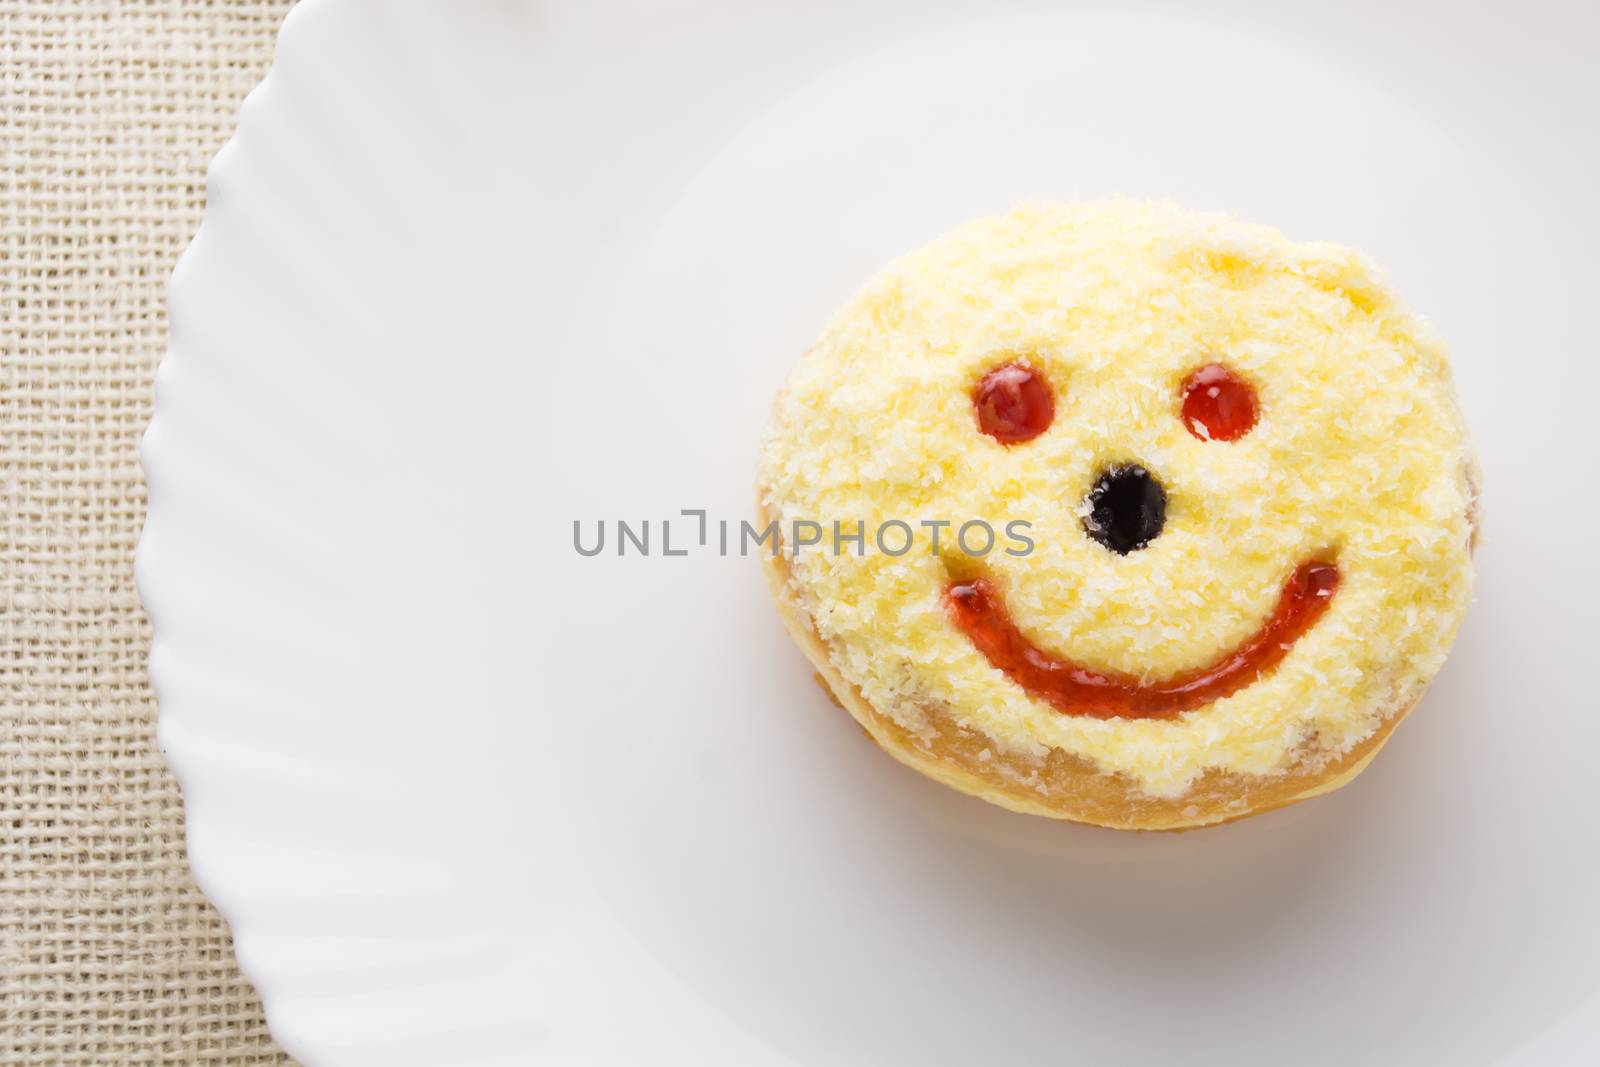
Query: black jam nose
1127, 508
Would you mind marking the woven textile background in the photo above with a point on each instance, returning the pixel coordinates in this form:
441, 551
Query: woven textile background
110, 112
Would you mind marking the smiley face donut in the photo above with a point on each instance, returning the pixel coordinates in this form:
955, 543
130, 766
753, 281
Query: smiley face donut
1124, 514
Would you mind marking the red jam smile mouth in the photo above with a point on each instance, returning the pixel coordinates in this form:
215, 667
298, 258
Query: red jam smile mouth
976, 607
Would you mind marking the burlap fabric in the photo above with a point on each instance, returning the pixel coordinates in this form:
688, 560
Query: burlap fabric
110, 112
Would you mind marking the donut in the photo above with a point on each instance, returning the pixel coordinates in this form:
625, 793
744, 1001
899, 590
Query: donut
1122, 513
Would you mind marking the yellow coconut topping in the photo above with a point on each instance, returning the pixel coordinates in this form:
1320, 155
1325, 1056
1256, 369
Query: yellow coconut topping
1359, 456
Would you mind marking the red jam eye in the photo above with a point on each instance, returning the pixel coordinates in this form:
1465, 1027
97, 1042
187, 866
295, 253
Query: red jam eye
1218, 405
1014, 404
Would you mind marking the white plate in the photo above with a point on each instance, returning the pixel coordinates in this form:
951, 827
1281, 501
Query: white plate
472, 271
